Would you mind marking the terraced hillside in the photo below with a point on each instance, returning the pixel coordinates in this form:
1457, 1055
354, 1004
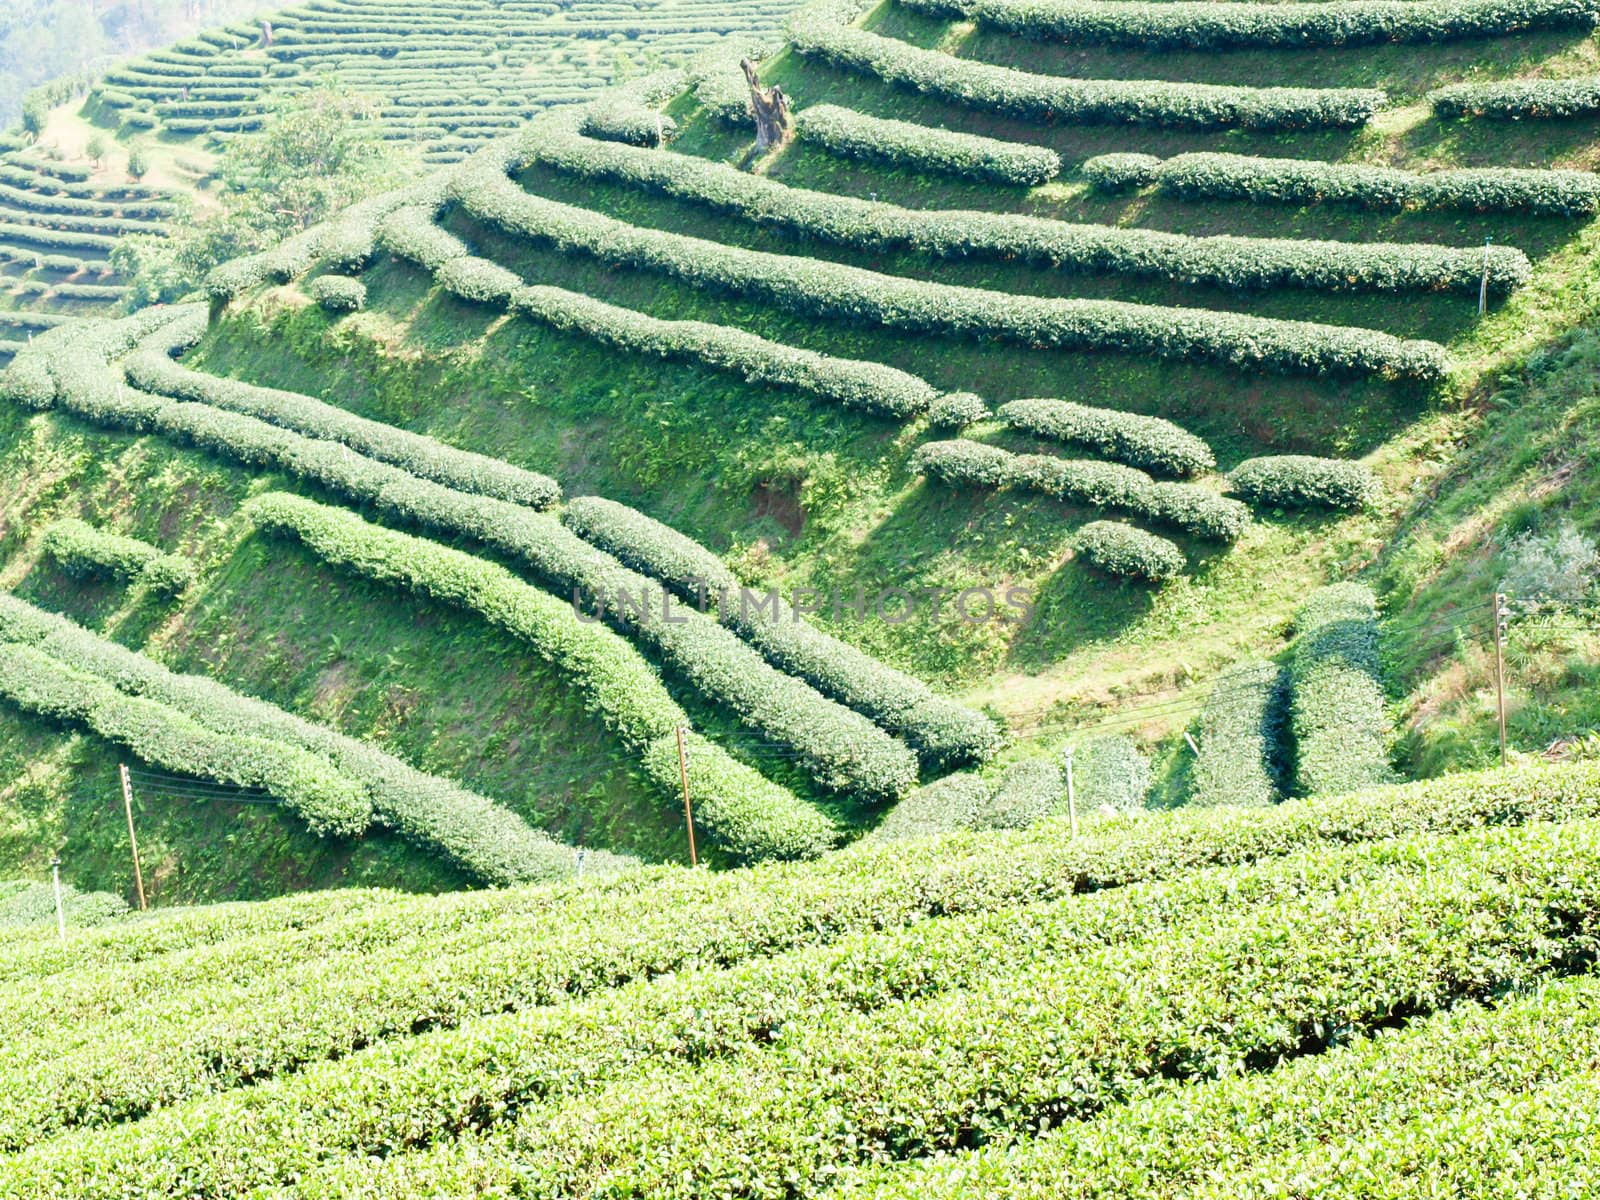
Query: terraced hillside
1390, 993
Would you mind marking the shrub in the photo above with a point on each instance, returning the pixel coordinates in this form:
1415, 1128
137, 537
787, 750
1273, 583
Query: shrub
961, 463
625, 120
1519, 99
24, 903
1131, 553
1147, 442
957, 410
869, 225
748, 815
1336, 707
138, 163
1304, 481
823, 31
1120, 172
1302, 181
812, 287
943, 806
1207, 26
1543, 570
338, 293
83, 551
1028, 792
943, 731
1241, 739
851, 134
1109, 774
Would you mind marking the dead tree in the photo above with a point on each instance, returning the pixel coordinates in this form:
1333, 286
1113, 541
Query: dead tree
771, 107
266, 33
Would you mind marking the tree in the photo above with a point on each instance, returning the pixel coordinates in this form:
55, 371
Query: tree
138, 163
97, 149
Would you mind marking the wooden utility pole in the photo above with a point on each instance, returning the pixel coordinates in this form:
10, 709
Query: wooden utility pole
1483, 288
61, 915
133, 840
1500, 615
771, 107
1072, 798
688, 812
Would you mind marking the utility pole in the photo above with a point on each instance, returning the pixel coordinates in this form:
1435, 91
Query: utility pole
61, 916
1072, 798
1501, 616
1483, 288
133, 840
688, 812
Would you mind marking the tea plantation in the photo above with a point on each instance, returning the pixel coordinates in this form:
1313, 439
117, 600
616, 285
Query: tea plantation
1085, 539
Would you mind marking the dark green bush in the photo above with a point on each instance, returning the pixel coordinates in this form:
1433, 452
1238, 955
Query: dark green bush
1119, 549
1241, 738
626, 120
1519, 99
1304, 481
338, 293
1028, 792
83, 551
1150, 443
1110, 776
1125, 172
957, 410
851, 134
944, 806
1336, 710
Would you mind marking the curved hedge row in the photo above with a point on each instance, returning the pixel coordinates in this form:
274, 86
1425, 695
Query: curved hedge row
750, 816
1204, 513
946, 733
1214, 26
1519, 99
338, 293
83, 551
1208, 176
330, 803
813, 287
944, 806
1336, 705
152, 368
1304, 481
1111, 776
480, 837
1026, 793
1241, 739
852, 134
842, 750
1129, 552
861, 384
1227, 262
957, 410
823, 31
625, 120
1150, 443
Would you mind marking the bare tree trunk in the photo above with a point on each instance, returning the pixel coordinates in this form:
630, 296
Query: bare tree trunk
772, 109
266, 33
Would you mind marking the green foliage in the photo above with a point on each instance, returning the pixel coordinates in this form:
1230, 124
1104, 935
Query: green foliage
1206, 26
625, 120
1151, 443
852, 134
338, 293
1082, 481
1301, 181
823, 31
944, 732
1336, 710
946, 805
824, 289
1549, 569
83, 551
1518, 99
1123, 172
1304, 481
1028, 792
24, 903
138, 163
957, 410
1241, 738
1129, 552
752, 817
1110, 775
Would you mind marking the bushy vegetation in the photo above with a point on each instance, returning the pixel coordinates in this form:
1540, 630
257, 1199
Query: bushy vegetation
1150, 443
1110, 775
946, 805
1241, 738
1304, 481
852, 134
1518, 99
626, 120
957, 410
24, 903
1129, 552
84, 551
338, 293
1027, 792
1336, 708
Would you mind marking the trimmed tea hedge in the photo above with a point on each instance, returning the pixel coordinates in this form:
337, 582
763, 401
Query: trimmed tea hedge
1304, 481
750, 816
153, 369
823, 31
852, 134
24, 903
1028, 792
1132, 553
1110, 775
943, 731
1241, 738
83, 551
474, 833
1123, 172
338, 293
1206, 176
1336, 705
944, 806
812, 287
1227, 262
1082, 481
1224, 26
1519, 99
957, 410
1151, 443
626, 120
330, 803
